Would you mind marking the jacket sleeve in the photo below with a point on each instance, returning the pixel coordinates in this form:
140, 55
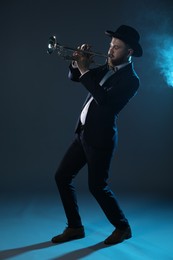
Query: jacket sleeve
117, 94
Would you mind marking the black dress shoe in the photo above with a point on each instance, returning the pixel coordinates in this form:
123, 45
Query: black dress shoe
118, 236
69, 234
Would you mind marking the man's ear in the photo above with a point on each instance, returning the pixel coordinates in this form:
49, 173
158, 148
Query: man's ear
130, 52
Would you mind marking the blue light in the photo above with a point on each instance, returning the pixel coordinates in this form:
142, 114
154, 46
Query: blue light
171, 80
164, 59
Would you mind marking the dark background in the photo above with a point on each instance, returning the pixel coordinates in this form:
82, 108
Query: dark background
39, 105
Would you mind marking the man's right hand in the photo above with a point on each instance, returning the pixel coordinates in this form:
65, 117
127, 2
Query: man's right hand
83, 60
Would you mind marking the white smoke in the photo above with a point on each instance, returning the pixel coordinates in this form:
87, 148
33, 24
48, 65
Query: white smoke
164, 57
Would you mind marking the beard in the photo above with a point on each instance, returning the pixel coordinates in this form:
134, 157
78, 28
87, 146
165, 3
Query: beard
115, 62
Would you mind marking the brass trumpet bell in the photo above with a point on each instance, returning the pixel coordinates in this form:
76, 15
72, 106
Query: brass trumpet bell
51, 44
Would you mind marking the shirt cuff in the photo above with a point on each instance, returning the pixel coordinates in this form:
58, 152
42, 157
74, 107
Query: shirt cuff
74, 66
84, 73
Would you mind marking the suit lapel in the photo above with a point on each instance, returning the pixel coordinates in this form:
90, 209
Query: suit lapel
86, 100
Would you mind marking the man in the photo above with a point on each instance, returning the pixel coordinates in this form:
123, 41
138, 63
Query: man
96, 131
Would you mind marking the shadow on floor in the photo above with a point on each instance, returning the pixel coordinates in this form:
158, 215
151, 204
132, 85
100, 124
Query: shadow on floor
77, 254
4, 254
80, 253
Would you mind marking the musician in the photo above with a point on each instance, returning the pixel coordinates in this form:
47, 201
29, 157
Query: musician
110, 88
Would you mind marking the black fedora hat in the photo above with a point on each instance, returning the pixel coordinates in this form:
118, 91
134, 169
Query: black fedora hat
130, 36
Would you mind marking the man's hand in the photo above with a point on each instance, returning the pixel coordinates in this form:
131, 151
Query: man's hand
83, 60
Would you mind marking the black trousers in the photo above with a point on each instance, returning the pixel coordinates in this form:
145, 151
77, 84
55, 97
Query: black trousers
98, 161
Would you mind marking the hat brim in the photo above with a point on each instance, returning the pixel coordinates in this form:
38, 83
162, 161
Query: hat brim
137, 49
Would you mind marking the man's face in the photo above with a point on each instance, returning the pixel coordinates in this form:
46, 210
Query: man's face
118, 52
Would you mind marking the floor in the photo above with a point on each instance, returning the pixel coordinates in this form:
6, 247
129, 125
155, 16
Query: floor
27, 223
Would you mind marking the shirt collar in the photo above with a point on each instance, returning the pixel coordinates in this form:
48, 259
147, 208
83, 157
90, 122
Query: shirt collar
118, 67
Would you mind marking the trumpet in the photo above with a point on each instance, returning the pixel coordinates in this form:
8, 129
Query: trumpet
66, 52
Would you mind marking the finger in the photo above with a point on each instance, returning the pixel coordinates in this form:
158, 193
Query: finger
77, 51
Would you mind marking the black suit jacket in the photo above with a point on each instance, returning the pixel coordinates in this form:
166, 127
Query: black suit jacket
109, 99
